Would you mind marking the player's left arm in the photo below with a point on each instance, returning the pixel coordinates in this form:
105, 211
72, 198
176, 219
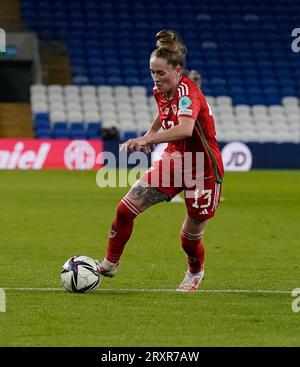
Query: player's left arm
181, 131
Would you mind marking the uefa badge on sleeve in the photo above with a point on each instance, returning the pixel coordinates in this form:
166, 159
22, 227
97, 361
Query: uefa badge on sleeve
184, 102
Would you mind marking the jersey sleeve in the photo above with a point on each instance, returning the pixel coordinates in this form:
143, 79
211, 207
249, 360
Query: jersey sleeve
189, 102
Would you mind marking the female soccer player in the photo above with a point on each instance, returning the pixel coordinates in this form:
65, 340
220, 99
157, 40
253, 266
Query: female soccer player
188, 125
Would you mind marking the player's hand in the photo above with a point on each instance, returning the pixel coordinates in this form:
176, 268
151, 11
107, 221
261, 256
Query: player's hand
135, 145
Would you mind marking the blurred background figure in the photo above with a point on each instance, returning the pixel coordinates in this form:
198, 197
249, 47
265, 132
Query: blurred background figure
196, 77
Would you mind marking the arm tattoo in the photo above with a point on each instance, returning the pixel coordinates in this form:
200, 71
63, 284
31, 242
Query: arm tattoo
148, 195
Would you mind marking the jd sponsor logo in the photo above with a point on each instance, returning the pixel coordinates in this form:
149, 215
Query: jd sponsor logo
237, 157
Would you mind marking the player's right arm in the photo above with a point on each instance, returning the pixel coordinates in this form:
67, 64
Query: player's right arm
155, 127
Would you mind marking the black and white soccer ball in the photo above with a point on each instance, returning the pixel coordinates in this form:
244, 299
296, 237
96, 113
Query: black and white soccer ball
80, 274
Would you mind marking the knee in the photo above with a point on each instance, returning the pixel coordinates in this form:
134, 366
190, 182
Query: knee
194, 227
194, 222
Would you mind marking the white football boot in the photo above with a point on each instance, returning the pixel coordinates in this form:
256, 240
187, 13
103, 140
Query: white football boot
107, 268
191, 281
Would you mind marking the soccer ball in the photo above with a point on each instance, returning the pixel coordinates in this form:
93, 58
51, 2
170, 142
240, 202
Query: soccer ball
79, 274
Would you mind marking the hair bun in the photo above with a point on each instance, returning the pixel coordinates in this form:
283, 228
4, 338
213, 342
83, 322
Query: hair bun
166, 40
170, 46
169, 41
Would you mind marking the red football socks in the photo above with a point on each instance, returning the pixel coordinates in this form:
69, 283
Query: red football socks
121, 229
194, 249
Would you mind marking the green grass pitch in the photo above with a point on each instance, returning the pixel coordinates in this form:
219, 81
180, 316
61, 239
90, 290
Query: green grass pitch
252, 244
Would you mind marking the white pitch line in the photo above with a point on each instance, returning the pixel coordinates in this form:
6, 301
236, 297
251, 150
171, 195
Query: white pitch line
154, 290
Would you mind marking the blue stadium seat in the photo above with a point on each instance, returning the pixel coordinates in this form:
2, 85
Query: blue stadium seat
93, 130
114, 80
239, 99
94, 126
287, 91
76, 127
113, 71
43, 133
81, 80
60, 126
41, 119
60, 131
98, 80
236, 90
271, 91
128, 135
219, 91
97, 70
235, 82
272, 100
254, 90
255, 100
128, 62
252, 81
132, 81
218, 82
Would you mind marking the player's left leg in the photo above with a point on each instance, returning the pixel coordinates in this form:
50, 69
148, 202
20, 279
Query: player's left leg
151, 189
139, 198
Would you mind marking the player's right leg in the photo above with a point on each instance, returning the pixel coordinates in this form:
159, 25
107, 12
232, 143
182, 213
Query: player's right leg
140, 197
200, 209
191, 242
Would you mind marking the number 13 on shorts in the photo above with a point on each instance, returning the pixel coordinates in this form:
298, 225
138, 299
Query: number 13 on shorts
203, 204
205, 196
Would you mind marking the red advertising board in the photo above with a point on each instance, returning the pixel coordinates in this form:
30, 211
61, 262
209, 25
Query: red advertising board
49, 154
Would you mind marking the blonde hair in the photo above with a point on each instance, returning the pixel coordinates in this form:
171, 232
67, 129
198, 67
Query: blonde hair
170, 47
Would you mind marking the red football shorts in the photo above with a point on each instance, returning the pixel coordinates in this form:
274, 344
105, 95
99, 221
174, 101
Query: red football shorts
201, 201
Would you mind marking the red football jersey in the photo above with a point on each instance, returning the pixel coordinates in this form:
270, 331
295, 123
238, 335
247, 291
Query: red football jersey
189, 101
